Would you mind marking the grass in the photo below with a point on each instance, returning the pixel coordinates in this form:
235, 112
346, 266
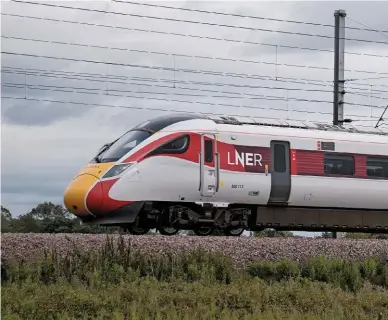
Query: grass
349, 275
117, 282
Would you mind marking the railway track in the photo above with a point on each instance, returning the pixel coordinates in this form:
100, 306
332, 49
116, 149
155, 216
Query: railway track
242, 250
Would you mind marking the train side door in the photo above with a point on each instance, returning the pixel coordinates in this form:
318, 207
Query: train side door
208, 166
280, 172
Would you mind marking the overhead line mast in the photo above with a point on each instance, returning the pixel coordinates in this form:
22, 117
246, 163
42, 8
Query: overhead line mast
339, 67
339, 74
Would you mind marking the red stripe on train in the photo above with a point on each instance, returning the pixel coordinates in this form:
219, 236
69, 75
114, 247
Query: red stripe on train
98, 200
232, 157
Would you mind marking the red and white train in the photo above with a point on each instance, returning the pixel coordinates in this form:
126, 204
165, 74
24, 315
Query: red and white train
200, 173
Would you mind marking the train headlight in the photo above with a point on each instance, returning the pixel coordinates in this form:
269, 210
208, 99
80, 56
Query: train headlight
116, 170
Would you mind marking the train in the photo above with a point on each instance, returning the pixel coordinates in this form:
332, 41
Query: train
234, 174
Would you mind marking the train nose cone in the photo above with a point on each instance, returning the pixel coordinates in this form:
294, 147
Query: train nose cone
77, 191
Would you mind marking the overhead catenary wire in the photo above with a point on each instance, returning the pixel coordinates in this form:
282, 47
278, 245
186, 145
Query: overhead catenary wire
192, 71
192, 21
172, 110
109, 93
169, 53
382, 32
243, 15
137, 108
112, 77
367, 84
102, 78
221, 13
191, 35
321, 83
184, 55
197, 71
369, 78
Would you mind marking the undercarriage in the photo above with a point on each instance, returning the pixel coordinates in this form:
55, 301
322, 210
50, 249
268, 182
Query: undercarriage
169, 218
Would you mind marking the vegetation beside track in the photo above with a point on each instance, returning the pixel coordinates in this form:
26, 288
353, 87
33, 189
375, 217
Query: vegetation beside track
116, 281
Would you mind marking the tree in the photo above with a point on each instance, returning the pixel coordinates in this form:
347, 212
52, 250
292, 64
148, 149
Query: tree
25, 223
49, 210
48, 217
5, 214
6, 220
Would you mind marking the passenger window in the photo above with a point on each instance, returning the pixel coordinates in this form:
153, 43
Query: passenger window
339, 164
377, 167
208, 150
279, 158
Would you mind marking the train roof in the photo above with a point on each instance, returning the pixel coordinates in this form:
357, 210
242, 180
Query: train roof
159, 123
307, 125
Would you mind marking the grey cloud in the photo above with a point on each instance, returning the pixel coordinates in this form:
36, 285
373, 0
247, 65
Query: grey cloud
51, 190
22, 203
158, 60
323, 12
165, 61
23, 190
37, 113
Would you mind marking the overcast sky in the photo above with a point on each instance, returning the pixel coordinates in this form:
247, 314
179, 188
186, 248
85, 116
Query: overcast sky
45, 143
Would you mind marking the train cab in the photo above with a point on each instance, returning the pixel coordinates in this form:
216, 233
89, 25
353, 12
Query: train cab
87, 194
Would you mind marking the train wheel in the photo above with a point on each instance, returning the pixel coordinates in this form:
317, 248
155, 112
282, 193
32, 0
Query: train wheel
137, 230
234, 232
168, 231
203, 231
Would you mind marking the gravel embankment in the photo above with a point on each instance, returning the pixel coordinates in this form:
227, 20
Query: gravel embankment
242, 249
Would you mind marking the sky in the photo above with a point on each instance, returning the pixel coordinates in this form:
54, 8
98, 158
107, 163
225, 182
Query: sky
134, 67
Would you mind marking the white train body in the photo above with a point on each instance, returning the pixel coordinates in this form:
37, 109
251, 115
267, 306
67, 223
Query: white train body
283, 176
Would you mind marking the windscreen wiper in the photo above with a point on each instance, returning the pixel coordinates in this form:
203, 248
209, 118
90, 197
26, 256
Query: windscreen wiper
102, 150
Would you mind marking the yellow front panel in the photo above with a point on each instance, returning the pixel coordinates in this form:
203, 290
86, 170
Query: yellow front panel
77, 190
96, 169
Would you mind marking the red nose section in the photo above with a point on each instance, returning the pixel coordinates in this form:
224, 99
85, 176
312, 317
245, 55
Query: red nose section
94, 199
98, 201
